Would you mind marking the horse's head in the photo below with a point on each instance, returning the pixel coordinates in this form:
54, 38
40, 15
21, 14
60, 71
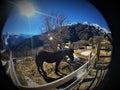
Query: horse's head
70, 54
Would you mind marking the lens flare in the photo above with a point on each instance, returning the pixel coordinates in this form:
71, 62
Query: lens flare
26, 8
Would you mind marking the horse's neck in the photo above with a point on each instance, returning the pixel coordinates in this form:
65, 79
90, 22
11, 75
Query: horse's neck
59, 53
64, 53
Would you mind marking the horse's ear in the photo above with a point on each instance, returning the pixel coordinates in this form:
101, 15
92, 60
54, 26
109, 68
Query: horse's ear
71, 47
69, 44
72, 50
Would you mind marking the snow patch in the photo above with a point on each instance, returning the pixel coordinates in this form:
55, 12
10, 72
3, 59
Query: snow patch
75, 58
31, 82
86, 53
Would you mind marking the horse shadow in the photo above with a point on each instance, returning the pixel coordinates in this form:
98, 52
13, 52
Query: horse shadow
97, 76
50, 79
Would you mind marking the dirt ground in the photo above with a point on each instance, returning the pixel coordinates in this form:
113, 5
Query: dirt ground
26, 67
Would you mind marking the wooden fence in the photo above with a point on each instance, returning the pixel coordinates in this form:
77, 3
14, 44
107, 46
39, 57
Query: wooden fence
78, 75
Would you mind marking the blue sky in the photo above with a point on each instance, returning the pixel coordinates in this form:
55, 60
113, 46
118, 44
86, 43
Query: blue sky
74, 10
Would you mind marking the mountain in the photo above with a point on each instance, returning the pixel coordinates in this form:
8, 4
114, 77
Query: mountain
71, 32
29, 43
82, 31
10, 40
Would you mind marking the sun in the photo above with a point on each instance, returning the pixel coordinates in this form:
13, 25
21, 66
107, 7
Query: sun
26, 8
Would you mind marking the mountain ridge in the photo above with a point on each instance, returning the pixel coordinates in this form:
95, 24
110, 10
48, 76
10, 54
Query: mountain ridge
73, 33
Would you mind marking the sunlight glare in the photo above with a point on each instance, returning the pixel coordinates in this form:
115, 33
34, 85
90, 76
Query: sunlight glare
26, 8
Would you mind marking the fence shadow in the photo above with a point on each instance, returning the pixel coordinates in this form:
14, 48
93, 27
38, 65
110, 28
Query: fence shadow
50, 79
100, 73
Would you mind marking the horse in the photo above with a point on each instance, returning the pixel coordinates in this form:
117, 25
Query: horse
52, 57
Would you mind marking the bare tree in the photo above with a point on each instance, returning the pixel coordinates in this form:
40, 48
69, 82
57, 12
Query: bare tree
54, 23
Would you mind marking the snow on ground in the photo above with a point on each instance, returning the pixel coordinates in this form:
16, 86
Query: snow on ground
31, 82
75, 58
86, 53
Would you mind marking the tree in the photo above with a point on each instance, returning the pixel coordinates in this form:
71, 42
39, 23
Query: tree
54, 23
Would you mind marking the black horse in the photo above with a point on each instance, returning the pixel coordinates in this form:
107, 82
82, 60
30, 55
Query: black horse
51, 57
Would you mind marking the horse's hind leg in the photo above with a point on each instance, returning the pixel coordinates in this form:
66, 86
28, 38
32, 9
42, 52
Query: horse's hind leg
39, 70
42, 69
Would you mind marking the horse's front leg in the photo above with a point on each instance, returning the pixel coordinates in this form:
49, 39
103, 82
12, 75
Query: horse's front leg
56, 68
42, 69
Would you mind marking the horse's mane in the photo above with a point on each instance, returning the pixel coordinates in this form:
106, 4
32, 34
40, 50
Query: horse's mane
61, 50
58, 52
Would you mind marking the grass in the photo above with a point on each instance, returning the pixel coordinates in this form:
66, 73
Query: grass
27, 67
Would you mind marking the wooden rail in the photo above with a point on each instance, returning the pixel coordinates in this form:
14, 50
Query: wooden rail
79, 74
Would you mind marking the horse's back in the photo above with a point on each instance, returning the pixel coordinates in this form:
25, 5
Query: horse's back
45, 56
51, 57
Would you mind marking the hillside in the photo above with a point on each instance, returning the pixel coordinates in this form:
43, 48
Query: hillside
74, 32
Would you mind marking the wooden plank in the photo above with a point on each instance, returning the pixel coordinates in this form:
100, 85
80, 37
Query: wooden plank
105, 56
106, 49
54, 84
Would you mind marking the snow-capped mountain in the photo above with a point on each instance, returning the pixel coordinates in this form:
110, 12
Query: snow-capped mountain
85, 23
94, 25
105, 30
11, 39
69, 24
70, 32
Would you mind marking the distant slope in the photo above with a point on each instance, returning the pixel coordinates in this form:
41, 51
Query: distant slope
29, 43
71, 32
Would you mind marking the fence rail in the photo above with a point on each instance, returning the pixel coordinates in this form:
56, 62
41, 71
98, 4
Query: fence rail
79, 74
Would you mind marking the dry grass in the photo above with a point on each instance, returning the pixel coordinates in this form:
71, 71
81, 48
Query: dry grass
105, 53
27, 67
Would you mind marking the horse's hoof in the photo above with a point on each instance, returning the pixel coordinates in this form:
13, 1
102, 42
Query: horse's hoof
45, 73
57, 74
